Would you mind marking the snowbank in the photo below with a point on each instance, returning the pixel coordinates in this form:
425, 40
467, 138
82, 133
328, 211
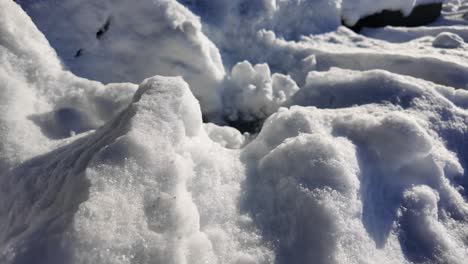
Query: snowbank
446, 40
41, 101
126, 192
145, 187
332, 186
353, 10
121, 41
358, 165
234, 25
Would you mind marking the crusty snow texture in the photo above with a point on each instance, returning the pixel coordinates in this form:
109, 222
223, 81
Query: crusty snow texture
361, 156
127, 41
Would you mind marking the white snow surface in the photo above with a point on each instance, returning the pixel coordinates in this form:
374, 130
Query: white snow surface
138, 39
252, 92
361, 156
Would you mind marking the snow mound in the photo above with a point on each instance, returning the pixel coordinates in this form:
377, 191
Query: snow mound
447, 40
234, 25
352, 171
359, 170
253, 93
442, 108
141, 188
226, 136
40, 101
361, 157
119, 41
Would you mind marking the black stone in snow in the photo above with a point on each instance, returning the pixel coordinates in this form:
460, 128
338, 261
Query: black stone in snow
421, 15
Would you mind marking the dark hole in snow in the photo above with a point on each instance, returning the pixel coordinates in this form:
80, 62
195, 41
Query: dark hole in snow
104, 28
243, 9
251, 127
249, 8
421, 15
78, 53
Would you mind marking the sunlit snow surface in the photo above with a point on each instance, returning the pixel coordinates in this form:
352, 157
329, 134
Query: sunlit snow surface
360, 158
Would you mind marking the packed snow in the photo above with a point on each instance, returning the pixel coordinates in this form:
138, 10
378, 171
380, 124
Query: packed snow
164, 131
98, 39
252, 92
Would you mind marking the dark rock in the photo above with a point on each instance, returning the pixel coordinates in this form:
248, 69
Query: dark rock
421, 15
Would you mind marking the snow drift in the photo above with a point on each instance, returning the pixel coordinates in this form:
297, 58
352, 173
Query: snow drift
121, 41
361, 157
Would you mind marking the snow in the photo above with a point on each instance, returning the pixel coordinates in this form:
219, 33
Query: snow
361, 155
123, 205
142, 39
253, 93
163, 205
339, 167
226, 136
37, 93
448, 41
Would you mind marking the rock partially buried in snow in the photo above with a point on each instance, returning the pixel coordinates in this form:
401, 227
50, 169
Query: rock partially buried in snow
391, 13
447, 40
